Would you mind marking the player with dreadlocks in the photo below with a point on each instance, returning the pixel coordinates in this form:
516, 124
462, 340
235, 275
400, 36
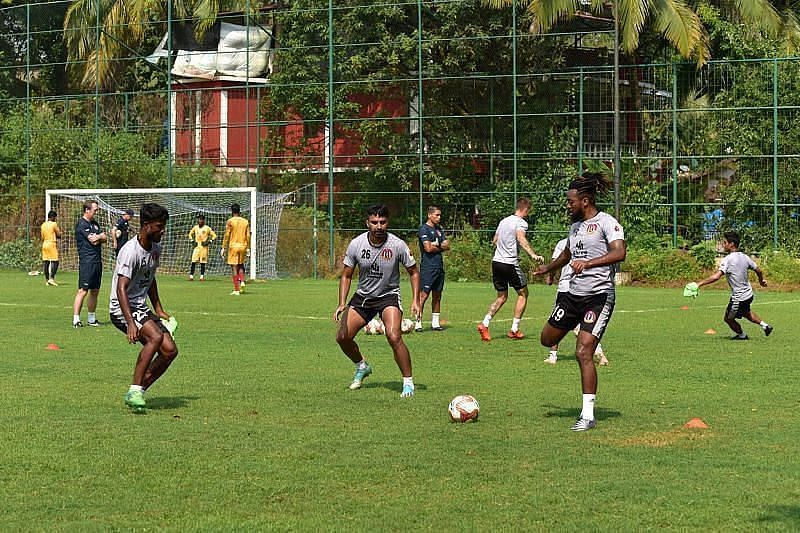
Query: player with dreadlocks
595, 245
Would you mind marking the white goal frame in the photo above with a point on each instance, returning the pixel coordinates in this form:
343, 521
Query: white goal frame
49, 193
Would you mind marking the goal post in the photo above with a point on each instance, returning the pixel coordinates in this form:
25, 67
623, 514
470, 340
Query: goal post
263, 210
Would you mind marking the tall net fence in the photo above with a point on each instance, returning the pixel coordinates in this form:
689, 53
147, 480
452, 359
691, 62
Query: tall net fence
408, 103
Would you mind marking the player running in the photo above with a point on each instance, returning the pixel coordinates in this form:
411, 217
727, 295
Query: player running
378, 255
595, 245
735, 266
237, 242
508, 239
134, 281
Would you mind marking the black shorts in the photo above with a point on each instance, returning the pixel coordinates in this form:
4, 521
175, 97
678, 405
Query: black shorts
90, 275
592, 312
504, 275
738, 309
369, 307
431, 280
140, 316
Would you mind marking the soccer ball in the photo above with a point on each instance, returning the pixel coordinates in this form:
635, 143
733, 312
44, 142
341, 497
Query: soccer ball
407, 325
463, 408
374, 327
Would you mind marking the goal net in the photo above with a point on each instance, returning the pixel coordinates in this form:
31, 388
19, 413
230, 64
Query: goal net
263, 210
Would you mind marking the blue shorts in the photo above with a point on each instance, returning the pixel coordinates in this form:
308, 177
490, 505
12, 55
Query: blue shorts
431, 280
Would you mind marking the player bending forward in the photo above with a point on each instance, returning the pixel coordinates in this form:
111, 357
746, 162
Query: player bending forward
378, 255
134, 281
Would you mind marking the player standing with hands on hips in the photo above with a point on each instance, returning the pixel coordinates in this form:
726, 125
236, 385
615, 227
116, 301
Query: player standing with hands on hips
432, 242
378, 255
133, 283
596, 243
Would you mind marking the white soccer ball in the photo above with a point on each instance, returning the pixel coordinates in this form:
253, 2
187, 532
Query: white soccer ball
407, 325
374, 327
464, 408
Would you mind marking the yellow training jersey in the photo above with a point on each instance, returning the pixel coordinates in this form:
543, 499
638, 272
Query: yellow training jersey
202, 235
237, 234
50, 232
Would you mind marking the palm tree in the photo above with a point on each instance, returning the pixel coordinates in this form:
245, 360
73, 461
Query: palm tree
676, 20
122, 26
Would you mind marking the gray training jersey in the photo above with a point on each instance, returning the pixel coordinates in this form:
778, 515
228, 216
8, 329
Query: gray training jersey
507, 250
566, 270
139, 265
378, 266
735, 266
590, 239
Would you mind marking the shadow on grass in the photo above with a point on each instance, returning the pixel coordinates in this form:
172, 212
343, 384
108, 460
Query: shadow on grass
786, 514
174, 402
396, 386
574, 412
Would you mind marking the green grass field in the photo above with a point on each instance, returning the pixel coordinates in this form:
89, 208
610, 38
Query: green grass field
253, 427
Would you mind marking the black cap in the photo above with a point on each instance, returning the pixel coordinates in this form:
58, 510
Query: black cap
129, 212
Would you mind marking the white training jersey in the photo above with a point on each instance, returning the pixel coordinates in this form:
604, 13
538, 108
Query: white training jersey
736, 267
138, 265
507, 247
566, 270
590, 239
378, 266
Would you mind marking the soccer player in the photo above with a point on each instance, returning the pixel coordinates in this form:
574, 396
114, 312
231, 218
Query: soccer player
378, 255
119, 236
735, 266
563, 286
202, 235
50, 233
134, 281
432, 242
90, 241
237, 241
595, 245
508, 238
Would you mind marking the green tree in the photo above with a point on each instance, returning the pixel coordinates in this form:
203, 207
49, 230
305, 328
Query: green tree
677, 21
98, 33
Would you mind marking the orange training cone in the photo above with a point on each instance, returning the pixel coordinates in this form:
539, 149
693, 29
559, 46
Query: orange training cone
52, 346
711, 331
685, 308
695, 423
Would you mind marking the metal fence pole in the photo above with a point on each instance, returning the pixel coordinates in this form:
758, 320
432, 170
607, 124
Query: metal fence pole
330, 131
617, 155
97, 96
514, 89
580, 121
421, 146
170, 125
775, 153
28, 42
674, 154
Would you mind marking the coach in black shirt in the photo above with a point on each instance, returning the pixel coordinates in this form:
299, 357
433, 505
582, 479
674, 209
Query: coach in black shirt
90, 239
120, 234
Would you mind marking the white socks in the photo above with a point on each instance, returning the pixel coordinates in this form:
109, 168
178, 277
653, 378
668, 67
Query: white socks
515, 324
587, 413
486, 320
435, 320
408, 382
136, 387
92, 318
76, 319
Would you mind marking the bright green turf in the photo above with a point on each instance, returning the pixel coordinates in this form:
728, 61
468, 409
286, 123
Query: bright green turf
253, 427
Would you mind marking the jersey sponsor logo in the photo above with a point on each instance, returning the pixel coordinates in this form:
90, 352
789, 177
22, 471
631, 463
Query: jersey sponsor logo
591, 228
589, 317
386, 254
